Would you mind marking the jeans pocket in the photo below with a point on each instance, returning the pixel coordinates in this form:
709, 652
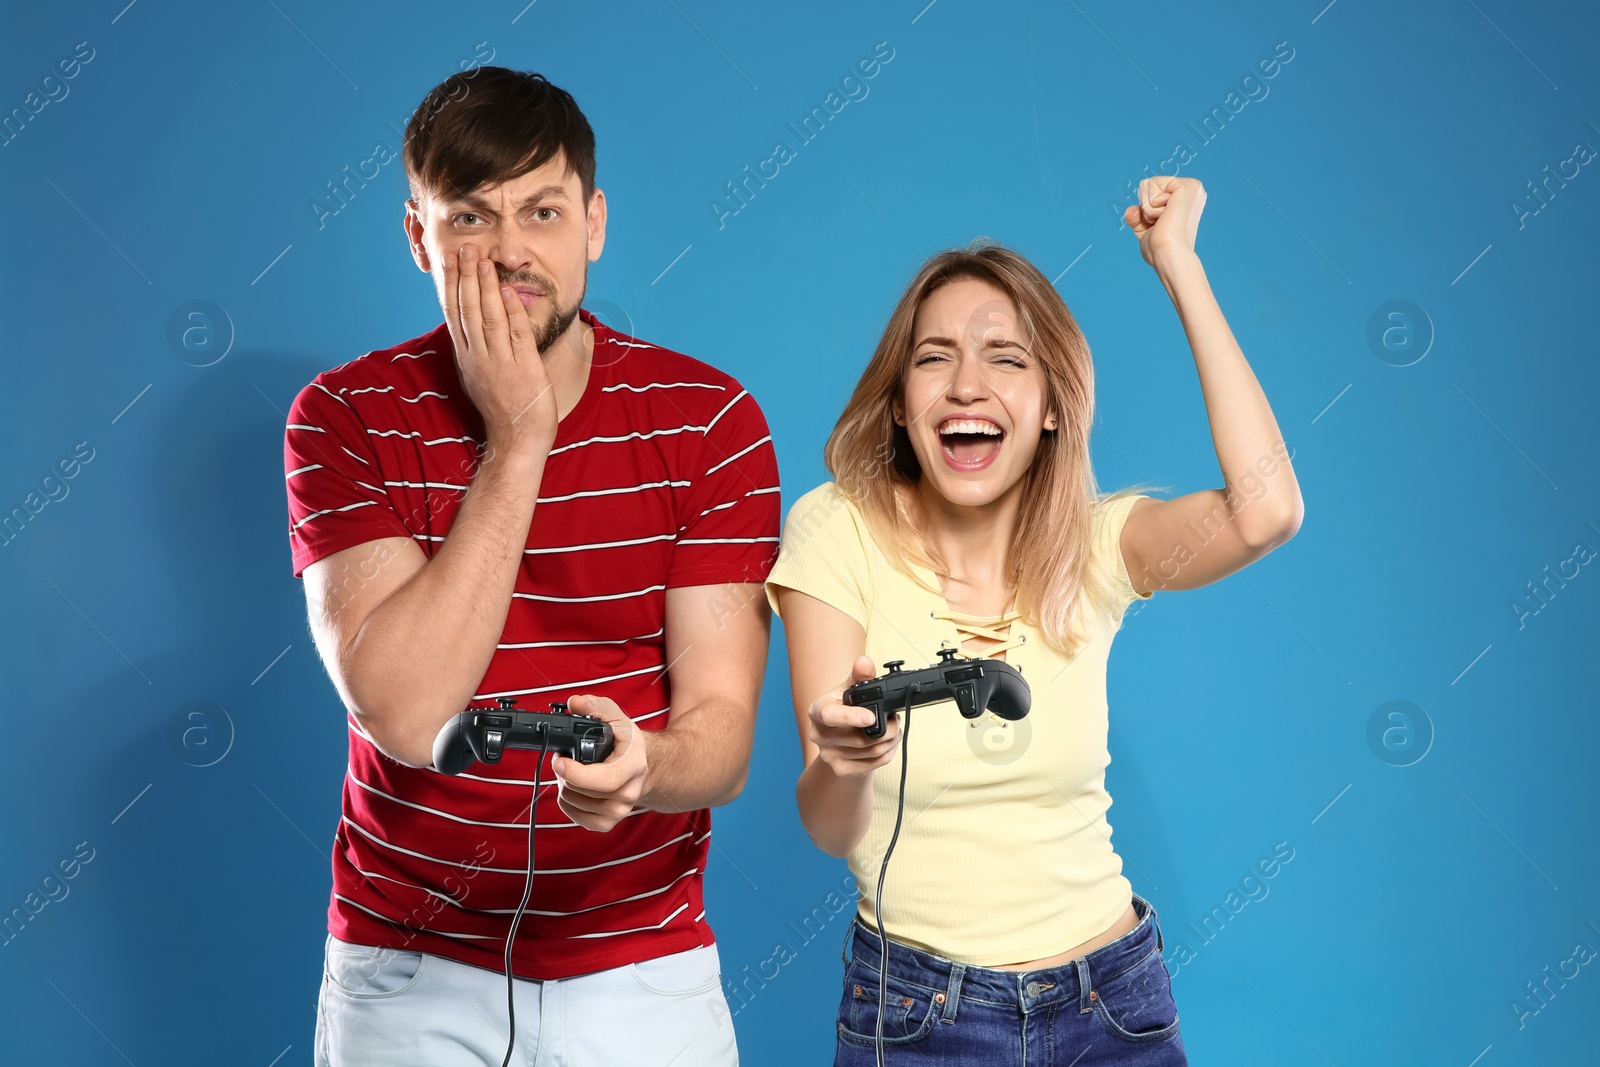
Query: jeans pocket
679, 974
1137, 1004
908, 1012
366, 972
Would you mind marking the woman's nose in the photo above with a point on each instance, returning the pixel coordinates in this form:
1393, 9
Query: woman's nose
967, 382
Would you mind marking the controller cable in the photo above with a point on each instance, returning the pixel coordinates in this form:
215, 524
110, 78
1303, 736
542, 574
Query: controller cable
877, 906
527, 891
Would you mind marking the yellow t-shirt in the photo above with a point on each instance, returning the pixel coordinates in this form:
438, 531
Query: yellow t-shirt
1004, 852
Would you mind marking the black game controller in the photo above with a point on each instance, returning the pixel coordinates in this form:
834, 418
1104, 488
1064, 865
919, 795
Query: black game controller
973, 682
485, 733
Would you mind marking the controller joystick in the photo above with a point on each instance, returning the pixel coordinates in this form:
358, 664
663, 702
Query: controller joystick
484, 735
973, 682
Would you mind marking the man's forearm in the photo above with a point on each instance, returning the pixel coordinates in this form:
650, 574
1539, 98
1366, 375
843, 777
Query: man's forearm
420, 655
694, 763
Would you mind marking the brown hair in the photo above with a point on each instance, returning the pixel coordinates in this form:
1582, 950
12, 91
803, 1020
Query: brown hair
1047, 559
488, 125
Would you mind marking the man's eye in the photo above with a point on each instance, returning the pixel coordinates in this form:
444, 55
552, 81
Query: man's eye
545, 214
465, 215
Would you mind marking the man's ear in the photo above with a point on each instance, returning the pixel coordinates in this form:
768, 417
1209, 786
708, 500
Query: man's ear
595, 219
412, 223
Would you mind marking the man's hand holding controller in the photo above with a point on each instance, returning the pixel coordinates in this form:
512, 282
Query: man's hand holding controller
597, 796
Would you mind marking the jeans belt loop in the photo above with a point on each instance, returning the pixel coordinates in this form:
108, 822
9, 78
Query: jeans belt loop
952, 992
1085, 985
1150, 910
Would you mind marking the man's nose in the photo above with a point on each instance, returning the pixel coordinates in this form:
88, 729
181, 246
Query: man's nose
507, 249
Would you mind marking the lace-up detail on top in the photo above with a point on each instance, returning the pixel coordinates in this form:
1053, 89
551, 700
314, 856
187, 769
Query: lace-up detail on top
985, 626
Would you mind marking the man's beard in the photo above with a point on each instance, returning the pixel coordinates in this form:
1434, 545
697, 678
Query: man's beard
546, 333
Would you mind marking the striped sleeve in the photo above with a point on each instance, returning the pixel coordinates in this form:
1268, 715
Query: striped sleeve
335, 493
730, 515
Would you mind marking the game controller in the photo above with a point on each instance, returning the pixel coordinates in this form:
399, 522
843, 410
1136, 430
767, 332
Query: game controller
484, 734
973, 682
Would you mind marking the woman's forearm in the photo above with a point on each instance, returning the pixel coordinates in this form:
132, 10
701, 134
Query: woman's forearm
1250, 448
835, 811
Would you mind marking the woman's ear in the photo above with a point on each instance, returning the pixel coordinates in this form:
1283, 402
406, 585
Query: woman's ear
899, 417
1050, 421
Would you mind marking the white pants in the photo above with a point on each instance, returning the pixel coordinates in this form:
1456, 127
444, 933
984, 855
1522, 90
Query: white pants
399, 1008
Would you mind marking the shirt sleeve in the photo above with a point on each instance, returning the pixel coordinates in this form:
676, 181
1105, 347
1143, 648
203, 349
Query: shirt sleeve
1109, 518
824, 554
336, 495
731, 511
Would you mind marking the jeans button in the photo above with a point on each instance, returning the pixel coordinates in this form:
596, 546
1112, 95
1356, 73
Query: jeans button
1033, 989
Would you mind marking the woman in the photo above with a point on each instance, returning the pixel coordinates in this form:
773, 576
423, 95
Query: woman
964, 512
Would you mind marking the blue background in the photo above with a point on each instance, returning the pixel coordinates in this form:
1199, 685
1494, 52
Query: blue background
1382, 164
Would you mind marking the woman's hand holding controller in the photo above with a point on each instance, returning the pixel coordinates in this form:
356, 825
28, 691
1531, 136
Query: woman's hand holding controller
837, 729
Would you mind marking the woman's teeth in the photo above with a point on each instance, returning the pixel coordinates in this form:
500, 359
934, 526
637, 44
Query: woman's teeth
970, 426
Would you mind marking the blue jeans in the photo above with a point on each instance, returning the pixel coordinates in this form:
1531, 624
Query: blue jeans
1111, 1006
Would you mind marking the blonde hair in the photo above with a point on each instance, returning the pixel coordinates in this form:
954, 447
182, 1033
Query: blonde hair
1048, 557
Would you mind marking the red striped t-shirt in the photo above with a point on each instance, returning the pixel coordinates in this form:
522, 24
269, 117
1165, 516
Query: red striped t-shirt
663, 475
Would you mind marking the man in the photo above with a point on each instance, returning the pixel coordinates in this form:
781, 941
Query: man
526, 503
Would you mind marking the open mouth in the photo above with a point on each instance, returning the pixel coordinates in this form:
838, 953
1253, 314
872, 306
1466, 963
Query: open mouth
970, 444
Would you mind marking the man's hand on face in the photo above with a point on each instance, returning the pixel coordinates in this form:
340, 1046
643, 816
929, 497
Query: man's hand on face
497, 356
599, 795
